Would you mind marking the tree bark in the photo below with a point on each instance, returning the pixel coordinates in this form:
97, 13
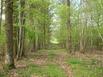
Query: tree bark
1, 11
69, 42
9, 60
21, 34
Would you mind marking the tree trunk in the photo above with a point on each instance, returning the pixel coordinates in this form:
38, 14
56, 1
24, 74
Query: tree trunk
1, 11
9, 60
69, 44
21, 34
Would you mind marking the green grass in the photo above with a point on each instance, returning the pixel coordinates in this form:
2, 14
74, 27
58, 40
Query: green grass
2, 74
46, 71
85, 68
51, 55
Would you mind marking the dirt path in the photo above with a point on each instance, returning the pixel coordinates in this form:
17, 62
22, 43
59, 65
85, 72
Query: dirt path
59, 60
42, 60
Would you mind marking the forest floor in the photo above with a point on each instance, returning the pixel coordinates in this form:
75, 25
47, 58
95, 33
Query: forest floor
58, 63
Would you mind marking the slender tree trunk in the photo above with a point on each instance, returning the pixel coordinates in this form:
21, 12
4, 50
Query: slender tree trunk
16, 28
21, 34
1, 11
69, 42
81, 40
83, 28
35, 43
9, 60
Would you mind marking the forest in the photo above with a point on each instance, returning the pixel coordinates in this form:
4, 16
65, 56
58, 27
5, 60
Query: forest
51, 38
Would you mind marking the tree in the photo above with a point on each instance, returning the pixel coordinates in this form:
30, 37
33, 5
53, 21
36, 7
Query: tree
21, 33
69, 42
1, 11
9, 33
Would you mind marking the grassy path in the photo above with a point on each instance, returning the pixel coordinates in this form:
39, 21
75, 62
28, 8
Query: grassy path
54, 57
50, 63
61, 61
58, 63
